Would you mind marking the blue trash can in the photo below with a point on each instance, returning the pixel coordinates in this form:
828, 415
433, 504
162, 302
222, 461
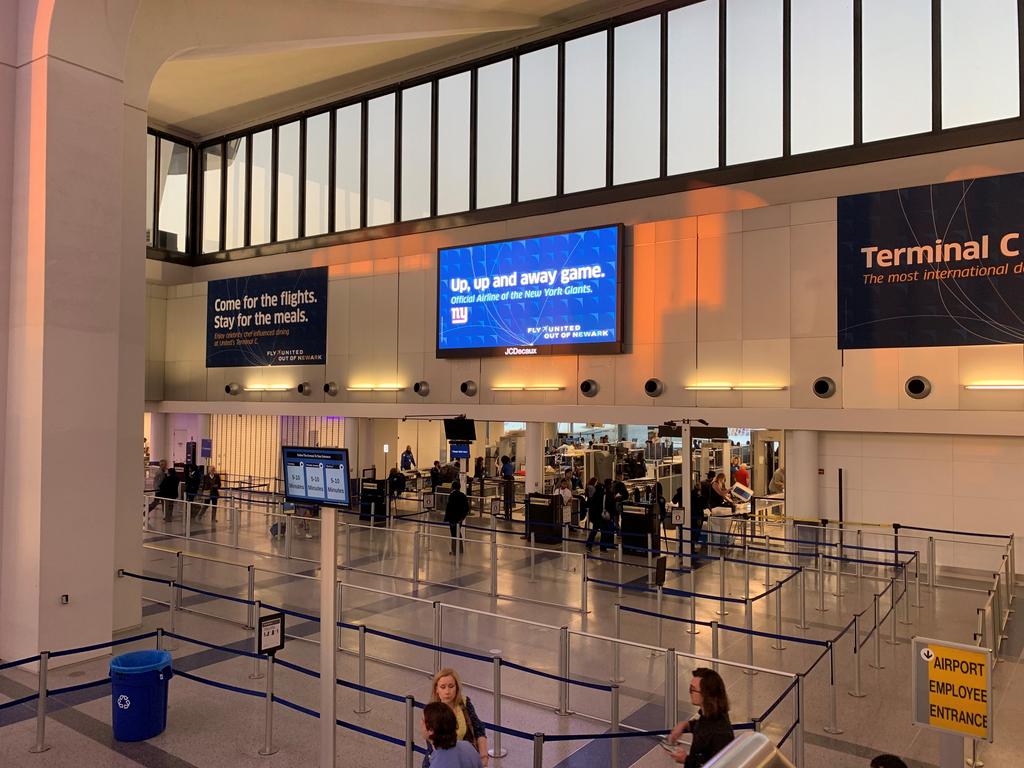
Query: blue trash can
138, 694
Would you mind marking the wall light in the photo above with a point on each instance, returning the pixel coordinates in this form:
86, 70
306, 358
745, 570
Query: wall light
376, 388
525, 388
268, 388
996, 386
735, 387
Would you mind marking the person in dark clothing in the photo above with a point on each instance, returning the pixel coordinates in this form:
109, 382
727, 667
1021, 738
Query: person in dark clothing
508, 473
697, 507
595, 507
193, 482
887, 761
705, 489
612, 504
711, 729
396, 483
435, 475
214, 483
158, 478
455, 512
168, 491
660, 509
478, 476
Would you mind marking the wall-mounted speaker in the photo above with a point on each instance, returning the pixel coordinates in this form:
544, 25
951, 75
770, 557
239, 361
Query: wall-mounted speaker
232, 389
654, 387
824, 387
918, 387
468, 388
589, 388
331, 388
421, 388
305, 388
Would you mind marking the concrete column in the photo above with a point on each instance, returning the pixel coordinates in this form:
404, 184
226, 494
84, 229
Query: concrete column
9, 12
802, 474
75, 359
534, 457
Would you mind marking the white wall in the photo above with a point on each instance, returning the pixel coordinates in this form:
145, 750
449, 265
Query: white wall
955, 482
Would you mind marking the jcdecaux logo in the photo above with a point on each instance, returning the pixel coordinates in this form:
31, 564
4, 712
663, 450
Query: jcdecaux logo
517, 351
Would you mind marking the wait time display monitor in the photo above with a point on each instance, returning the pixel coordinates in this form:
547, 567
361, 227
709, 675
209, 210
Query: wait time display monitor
316, 475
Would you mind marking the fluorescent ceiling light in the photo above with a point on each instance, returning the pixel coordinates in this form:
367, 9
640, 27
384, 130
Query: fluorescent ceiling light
709, 387
268, 388
376, 388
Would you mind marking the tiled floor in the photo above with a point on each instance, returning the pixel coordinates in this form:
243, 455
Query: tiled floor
209, 726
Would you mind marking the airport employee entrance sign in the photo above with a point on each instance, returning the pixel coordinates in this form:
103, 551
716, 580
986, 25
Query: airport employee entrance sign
274, 319
952, 687
940, 265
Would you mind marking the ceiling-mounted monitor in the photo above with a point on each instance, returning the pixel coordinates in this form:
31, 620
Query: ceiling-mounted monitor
553, 294
460, 430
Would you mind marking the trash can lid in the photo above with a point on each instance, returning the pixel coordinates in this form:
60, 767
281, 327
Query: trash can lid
140, 661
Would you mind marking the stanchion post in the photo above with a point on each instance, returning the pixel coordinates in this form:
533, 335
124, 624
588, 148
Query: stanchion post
671, 688
533, 557
41, 745
660, 620
565, 545
187, 516
860, 557
268, 734
803, 599
798, 749
905, 598
236, 524
256, 674
617, 648
778, 645
693, 630
179, 577
438, 635
618, 568
767, 569
494, 563
749, 622
746, 573
877, 662
892, 611
857, 693
170, 611
338, 631
614, 725
410, 730
931, 564
917, 579
348, 545
821, 584
721, 585
362, 707
416, 558
833, 715
563, 671
714, 644
251, 576
538, 750
496, 750
650, 562
583, 586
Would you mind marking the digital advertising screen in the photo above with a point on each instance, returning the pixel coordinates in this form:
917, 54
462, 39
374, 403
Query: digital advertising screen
316, 475
458, 451
554, 294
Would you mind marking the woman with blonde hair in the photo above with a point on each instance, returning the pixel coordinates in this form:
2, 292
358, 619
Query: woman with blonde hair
447, 689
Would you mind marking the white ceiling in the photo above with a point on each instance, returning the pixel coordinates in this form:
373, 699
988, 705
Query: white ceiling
211, 90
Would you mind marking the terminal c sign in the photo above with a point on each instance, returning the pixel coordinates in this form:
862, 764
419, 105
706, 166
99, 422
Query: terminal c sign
952, 685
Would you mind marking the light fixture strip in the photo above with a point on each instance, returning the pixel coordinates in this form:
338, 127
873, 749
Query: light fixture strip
1002, 387
268, 388
381, 388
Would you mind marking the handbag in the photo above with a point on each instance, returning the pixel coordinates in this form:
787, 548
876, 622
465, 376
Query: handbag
606, 515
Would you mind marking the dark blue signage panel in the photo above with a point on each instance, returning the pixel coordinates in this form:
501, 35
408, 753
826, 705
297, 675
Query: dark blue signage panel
932, 266
556, 294
275, 319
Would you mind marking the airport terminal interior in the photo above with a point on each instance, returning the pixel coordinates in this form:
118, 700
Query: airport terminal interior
637, 364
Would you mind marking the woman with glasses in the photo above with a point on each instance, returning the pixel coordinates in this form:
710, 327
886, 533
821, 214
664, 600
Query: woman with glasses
711, 729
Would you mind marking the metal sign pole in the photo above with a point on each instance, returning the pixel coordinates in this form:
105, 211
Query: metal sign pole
329, 602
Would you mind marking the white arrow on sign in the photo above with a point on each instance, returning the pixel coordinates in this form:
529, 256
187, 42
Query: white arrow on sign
927, 654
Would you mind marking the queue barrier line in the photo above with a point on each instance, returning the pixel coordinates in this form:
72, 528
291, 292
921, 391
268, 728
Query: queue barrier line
727, 627
655, 615
665, 590
817, 661
288, 612
19, 662
368, 689
559, 678
371, 733
901, 527
216, 684
79, 687
296, 668
239, 600
16, 702
212, 646
779, 585
788, 733
141, 577
98, 646
429, 646
782, 697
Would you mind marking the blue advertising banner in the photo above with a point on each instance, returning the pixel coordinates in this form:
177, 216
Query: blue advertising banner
932, 266
275, 319
556, 294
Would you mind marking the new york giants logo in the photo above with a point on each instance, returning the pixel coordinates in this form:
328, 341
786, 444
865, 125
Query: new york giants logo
460, 315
